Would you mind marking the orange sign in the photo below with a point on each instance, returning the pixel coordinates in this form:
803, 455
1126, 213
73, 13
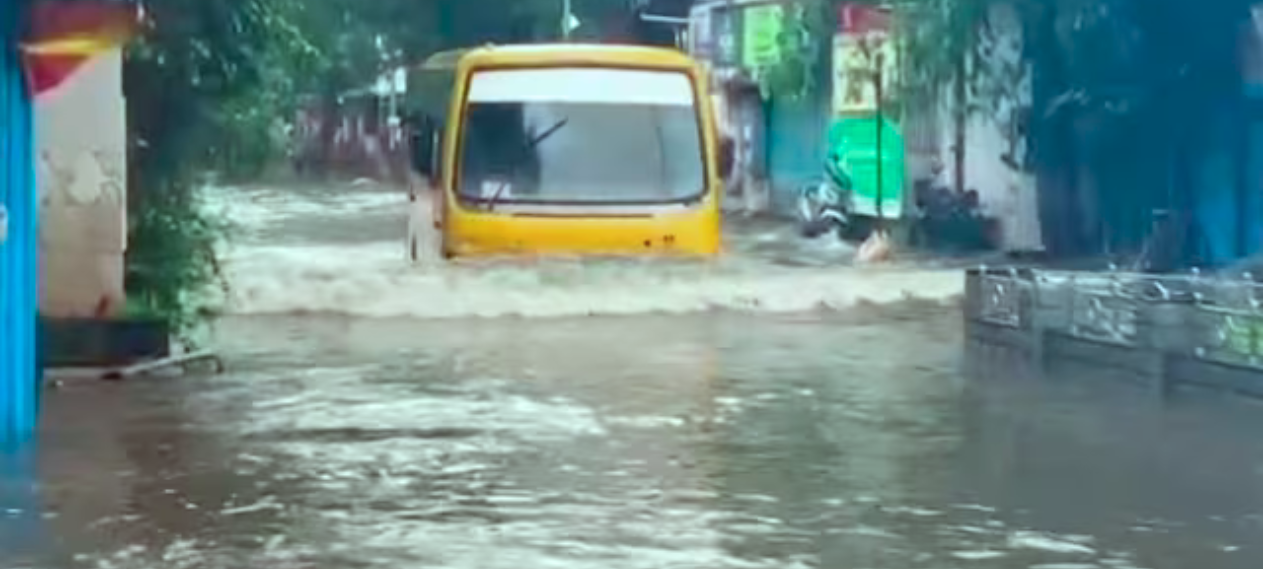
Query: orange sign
863, 52
65, 35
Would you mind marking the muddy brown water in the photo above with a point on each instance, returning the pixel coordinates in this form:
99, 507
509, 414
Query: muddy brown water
848, 435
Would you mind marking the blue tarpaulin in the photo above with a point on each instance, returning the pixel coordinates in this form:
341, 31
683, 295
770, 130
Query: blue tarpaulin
18, 245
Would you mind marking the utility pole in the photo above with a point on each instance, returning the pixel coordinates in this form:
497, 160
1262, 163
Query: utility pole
877, 88
961, 116
565, 20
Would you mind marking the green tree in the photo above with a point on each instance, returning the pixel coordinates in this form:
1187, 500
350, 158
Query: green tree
195, 63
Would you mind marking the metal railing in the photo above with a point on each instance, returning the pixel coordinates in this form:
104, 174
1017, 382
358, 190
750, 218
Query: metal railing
1211, 318
1001, 298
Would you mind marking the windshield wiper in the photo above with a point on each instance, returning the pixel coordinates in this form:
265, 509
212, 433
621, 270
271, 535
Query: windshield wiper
526, 149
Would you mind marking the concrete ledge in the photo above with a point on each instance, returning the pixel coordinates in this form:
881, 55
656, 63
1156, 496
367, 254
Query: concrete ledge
1239, 380
1162, 332
89, 343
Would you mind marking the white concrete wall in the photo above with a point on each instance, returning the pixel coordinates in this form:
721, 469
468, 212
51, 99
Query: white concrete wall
1005, 193
81, 138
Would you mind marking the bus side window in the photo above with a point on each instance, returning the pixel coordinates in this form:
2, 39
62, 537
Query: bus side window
421, 144
727, 156
436, 153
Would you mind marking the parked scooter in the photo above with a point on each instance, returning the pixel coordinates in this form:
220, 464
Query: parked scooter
824, 205
949, 220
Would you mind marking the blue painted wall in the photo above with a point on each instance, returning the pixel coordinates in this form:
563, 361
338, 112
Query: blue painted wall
1254, 187
1215, 193
1231, 216
796, 134
18, 264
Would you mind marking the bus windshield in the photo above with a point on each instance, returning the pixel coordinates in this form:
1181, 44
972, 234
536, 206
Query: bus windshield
581, 135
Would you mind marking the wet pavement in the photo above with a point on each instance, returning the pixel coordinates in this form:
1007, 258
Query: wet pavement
743, 435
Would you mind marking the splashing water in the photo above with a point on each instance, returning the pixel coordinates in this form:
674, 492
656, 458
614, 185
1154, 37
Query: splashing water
339, 249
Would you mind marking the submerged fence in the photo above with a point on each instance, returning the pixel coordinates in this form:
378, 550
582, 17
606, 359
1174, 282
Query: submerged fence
1163, 330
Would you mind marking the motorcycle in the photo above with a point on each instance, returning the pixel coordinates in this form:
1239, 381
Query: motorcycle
825, 205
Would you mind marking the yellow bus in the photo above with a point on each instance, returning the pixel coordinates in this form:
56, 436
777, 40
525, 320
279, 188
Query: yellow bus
565, 149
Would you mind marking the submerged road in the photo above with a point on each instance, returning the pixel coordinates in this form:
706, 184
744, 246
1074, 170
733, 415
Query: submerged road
374, 416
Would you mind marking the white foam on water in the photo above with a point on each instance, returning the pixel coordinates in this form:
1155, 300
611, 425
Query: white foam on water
373, 278
1073, 545
371, 282
255, 208
343, 403
978, 555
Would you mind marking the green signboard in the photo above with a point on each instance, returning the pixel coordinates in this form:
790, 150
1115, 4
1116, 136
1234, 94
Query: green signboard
853, 139
761, 30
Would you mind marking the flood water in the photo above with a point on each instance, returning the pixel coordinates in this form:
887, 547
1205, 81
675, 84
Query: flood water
776, 409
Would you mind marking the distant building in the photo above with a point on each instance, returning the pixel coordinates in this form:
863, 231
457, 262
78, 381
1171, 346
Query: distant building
358, 135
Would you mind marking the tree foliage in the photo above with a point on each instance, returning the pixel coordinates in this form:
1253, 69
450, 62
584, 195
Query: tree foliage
805, 38
193, 62
935, 34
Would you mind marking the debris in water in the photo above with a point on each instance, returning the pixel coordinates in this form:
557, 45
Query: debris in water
876, 249
1045, 542
980, 555
268, 503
